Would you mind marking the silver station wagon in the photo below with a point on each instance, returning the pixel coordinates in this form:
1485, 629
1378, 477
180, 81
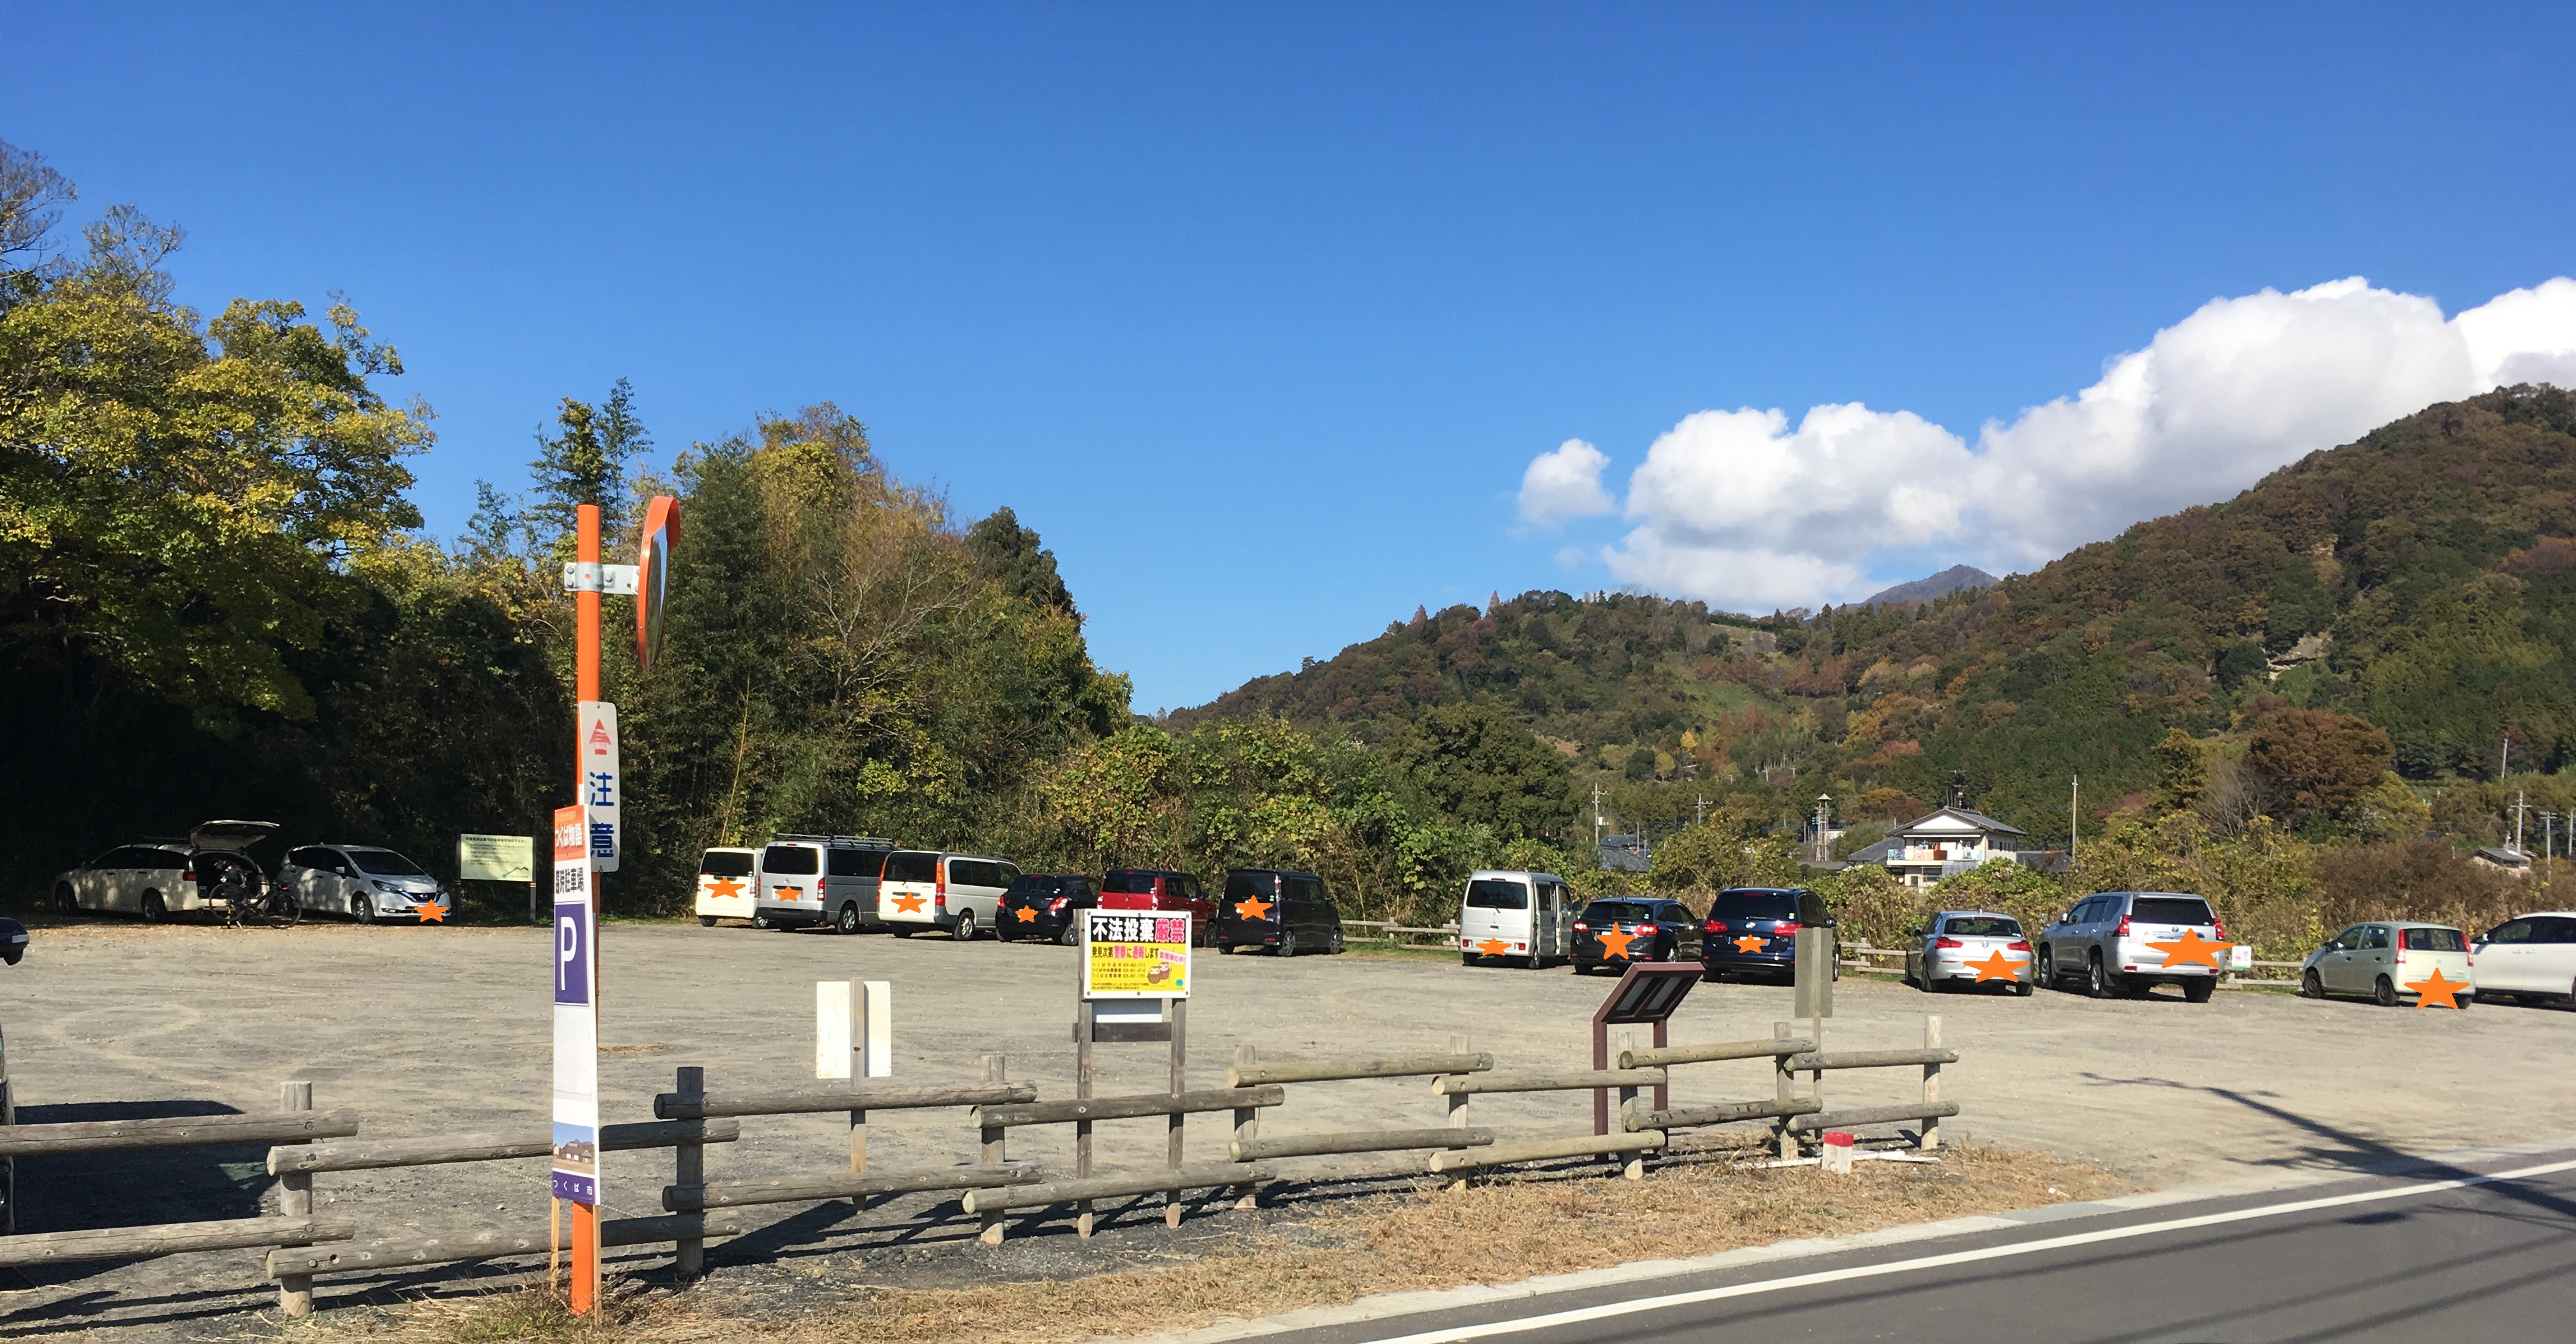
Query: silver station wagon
2386, 961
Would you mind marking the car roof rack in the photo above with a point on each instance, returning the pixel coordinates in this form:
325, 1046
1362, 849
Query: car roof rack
851, 841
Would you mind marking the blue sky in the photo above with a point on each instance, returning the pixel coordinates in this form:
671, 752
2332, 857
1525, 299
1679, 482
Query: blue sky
1258, 314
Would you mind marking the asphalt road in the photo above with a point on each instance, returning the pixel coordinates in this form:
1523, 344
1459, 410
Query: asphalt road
2488, 1255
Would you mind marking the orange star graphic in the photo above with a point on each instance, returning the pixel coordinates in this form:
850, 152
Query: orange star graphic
1751, 942
437, 914
1493, 947
2192, 948
908, 903
783, 893
2437, 990
1615, 943
1253, 909
1029, 915
724, 888
1997, 966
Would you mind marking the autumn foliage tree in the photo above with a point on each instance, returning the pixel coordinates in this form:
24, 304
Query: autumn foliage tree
2320, 761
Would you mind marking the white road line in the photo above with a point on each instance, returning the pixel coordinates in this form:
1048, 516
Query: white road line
1667, 1300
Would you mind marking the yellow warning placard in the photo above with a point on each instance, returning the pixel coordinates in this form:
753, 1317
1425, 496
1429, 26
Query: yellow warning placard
1135, 954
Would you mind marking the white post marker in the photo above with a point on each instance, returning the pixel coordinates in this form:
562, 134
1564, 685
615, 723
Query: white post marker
836, 1027
602, 788
876, 1028
576, 984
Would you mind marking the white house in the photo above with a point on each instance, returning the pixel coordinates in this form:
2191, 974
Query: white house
1952, 840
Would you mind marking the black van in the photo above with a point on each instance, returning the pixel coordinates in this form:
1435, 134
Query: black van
1753, 931
1287, 913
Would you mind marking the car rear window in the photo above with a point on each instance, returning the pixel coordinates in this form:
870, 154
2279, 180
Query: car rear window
2169, 910
2431, 940
1755, 905
1984, 926
1494, 893
725, 863
1130, 883
386, 863
912, 866
1250, 886
790, 860
854, 862
1618, 912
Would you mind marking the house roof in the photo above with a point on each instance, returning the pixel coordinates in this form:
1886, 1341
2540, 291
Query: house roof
1977, 821
2503, 857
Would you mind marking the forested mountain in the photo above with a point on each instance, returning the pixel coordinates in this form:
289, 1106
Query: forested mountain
2405, 602
1948, 581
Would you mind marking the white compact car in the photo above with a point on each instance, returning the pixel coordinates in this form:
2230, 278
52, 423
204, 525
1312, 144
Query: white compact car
2527, 959
367, 883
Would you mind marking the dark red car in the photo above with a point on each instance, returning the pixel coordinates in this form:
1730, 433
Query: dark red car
1169, 890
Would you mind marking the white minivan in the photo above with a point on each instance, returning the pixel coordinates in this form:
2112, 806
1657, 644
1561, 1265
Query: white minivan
806, 880
727, 882
2527, 959
961, 893
1525, 919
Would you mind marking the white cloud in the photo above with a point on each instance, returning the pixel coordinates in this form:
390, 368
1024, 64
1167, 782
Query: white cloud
1565, 482
1739, 508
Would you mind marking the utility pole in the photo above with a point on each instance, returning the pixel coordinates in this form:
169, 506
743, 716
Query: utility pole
1699, 810
2074, 795
1824, 810
2520, 809
1596, 814
2548, 845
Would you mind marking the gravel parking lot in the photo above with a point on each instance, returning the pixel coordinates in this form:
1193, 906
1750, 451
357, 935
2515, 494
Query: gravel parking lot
429, 1030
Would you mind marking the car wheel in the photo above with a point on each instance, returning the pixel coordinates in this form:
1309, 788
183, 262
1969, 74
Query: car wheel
706, 921
2023, 989
2198, 991
759, 920
154, 912
964, 932
901, 931
848, 920
2098, 981
2312, 985
362, 910
2048, 970
1287, 944
2384, 993
1070, 935
64, 902
1467, 958
1225, 949
1333, 947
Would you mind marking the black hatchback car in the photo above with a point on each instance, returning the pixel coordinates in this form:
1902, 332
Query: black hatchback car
1287, 913
1753, 931
1044, 907
1615, 932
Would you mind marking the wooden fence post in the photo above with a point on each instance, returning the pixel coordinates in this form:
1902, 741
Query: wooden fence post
1931, 1084
1458, 1045
1082, 1128
689, 1167
1180, 1015
994, 1138
1635, 1169
1247, 1127
1784, 1088
295, 1200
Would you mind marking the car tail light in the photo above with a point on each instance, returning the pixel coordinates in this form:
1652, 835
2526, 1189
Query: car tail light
2018, 945
188, 876
1717, 926
2219, 926
1786, 926
1947, 942
2123, 930
1646, 927
1056, 906
1581, 927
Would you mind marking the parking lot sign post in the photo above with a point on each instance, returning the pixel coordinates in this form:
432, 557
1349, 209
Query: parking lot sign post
1134, 981
500, 858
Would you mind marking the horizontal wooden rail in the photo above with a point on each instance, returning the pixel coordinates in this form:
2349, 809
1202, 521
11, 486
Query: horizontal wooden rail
434, 1150
445, 1248
1128, 1108
1334, 1070
1358, 1141
1587, 1146
809, 1100
1870, 1059
1114, 1187
842, 1185
1701, 1054
183, 1131
121, 1243
1873, 1115
1572, 1080
1728, 1113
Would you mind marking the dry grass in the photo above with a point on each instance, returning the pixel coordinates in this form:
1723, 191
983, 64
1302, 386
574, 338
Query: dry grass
1512, 1228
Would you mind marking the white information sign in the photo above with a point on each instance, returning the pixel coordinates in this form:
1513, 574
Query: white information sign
603, 789
496, 858
576, 983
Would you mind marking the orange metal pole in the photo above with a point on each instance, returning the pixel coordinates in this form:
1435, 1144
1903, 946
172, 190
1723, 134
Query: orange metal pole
585, 672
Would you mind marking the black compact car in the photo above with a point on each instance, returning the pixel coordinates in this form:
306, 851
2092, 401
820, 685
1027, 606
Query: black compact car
1617, 931
1753, 932
1285, 913
1045, 907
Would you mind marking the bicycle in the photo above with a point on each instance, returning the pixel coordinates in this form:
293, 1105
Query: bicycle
249, 898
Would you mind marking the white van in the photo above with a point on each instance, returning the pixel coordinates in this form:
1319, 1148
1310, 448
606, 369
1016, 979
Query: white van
1526, 919
806, 880
728, 880
961, 893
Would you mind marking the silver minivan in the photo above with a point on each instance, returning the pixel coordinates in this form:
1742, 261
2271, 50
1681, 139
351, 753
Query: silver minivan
809, 880
925, 889
1517, 918
2109, 941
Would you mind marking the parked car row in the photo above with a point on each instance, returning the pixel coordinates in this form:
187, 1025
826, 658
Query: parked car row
223, 865
1529, 920
860, 883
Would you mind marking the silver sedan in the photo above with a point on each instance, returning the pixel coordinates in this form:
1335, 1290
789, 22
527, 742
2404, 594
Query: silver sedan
1967, 949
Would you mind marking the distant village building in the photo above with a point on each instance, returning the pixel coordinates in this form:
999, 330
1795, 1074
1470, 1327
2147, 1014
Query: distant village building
2503, 859
1622, 853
